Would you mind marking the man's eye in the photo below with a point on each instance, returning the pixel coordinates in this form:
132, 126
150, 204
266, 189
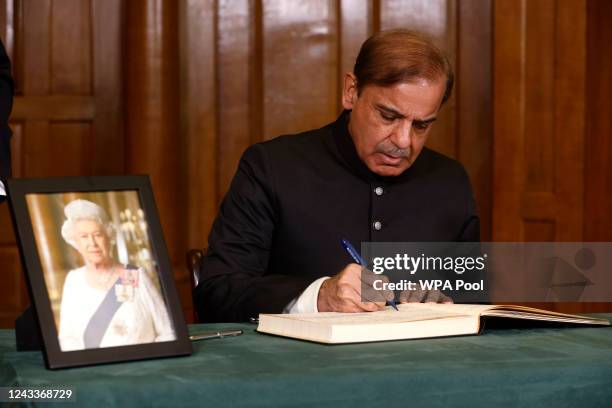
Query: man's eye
387, 117
421, 126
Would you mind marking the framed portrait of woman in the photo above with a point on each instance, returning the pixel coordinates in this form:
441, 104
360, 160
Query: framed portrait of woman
97, 269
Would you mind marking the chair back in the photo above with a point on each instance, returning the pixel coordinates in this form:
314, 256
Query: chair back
193, 261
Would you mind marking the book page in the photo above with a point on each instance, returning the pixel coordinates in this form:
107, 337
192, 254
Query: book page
533, 310
561, 318
409, 312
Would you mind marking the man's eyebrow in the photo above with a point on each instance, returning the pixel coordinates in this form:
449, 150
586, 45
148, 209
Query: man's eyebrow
389, 110
397, 114
425, 121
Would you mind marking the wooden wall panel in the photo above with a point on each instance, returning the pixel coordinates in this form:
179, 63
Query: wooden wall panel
509, 120
539, 88
53, 107
357, 21
598, 145
236, 31
474, 101
35, 47
67, 106
438, 19
539, 120
570, 116
300, 65
72, 142
539, 231
106, 65
598, 151
71, 47
428, 16
68, 141
199, 115
198, 90
552, 86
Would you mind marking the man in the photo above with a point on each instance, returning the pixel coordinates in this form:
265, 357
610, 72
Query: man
275, 245
6, 104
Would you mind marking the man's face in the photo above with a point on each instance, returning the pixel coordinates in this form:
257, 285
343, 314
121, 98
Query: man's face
389, 125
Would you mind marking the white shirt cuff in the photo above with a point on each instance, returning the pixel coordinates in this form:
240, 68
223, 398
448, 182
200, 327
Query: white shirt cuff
2, 191
307, 301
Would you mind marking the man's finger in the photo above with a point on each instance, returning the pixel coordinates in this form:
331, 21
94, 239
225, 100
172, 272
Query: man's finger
372, 306
416, 296
375, 287
366, 304
368, 277
387, 293
369, 294
371, 301
411, 296
433, 296
405, 296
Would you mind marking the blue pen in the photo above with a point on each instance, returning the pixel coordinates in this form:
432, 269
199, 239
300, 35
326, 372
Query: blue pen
359, 260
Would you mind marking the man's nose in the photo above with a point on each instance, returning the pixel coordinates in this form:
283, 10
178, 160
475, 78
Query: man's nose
403, 135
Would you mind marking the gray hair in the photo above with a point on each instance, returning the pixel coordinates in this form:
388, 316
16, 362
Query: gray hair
77, 210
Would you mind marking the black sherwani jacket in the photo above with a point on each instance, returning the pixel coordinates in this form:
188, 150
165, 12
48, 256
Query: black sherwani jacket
6, 104
295, 197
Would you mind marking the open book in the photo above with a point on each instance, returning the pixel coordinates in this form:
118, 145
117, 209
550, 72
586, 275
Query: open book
413, 321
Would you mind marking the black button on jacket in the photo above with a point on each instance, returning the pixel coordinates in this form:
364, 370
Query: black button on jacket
295, 197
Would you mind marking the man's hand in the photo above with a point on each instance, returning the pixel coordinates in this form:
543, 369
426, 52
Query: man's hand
424, 296
343, 292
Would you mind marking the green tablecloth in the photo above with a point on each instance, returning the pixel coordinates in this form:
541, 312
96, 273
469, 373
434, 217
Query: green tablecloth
512, 367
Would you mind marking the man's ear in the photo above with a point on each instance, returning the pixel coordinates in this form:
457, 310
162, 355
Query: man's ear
349, 91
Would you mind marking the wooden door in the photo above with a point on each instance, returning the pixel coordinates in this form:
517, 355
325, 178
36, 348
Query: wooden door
551, 156
538, 171
67, 109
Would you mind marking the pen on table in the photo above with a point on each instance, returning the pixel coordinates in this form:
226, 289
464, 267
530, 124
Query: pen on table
358, 259
214, 335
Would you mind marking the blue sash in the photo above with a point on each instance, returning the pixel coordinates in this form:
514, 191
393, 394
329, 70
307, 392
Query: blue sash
99, 322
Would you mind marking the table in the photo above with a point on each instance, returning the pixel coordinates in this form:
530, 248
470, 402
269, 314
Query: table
505, 367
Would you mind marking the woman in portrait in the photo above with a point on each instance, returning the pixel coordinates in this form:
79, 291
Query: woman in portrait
105, 303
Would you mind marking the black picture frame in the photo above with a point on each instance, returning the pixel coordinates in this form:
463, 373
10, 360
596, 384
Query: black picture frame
17, 191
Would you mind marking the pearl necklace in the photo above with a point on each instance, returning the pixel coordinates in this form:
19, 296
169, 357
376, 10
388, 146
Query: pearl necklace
105, 277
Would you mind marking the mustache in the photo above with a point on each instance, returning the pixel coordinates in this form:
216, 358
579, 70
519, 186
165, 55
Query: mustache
392, 150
